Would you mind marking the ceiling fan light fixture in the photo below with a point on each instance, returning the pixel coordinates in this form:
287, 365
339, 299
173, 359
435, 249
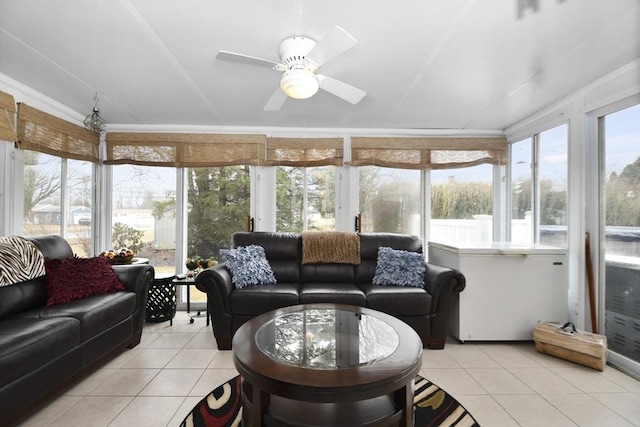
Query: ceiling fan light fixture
299, 83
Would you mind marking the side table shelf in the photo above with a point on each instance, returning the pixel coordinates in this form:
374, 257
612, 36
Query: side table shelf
188, 282
161, 300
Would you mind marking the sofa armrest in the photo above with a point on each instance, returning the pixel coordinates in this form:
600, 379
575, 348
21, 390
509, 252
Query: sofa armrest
438, 279
216, 283
443, 283
137, 278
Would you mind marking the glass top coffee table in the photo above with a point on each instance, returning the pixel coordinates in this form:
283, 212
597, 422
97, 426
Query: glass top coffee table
327, 364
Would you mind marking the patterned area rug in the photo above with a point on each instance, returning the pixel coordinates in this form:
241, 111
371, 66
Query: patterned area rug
432, 407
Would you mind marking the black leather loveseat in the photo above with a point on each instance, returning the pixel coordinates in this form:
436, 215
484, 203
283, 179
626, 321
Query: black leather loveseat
43, 348
426, 308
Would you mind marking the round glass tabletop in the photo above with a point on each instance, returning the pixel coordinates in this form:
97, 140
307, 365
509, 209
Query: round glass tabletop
327, 339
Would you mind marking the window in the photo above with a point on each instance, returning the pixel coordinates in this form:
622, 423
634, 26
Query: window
539, 185
45, 212
552, 186
305, 198
521, 191
390, 200
462, 204
218, 204
42, 194
58, 176
144, 212
620, 201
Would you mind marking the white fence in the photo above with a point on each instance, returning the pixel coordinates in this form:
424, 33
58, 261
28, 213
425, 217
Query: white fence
478, 229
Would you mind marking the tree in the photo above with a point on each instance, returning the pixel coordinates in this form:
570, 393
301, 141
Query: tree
461, 200
387, 201
631, 173
321, 190
289, 199
291, 183
40, 184
161, 208
124, 236
218, 206
553, 204
623, 196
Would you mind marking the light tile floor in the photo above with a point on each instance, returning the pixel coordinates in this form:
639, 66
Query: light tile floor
159, 381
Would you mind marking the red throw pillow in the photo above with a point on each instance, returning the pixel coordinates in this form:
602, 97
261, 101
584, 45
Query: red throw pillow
69, 279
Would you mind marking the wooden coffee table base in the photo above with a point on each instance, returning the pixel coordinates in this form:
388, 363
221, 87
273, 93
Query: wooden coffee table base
275, 411
357, 386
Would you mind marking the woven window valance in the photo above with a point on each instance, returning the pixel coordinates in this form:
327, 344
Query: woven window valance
304, 152
7, 117
185, 149
427, 152
42, 132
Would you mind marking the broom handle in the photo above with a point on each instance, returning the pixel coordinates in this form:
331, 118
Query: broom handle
592, 297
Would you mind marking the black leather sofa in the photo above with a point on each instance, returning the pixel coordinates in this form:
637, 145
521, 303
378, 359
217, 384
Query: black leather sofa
43, 348
426, 309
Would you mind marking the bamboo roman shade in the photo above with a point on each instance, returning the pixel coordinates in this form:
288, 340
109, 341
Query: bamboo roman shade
304, 152
42, 132
427, 152
185, 149
7, 117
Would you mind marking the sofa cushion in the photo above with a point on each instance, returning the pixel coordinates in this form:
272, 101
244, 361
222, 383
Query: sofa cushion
21, 297
369, 245
401, 268
254, 300
74, 278
26, 344
339, 293
327, 273
95, 313
398, 300
248, 266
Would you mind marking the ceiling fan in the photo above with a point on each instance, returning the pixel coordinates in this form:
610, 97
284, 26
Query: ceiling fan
300, 59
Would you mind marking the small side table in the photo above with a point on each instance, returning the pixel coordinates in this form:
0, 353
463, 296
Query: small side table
188, 282
161, 300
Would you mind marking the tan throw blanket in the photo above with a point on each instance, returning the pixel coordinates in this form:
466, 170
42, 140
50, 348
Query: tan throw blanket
20, 260
330, 247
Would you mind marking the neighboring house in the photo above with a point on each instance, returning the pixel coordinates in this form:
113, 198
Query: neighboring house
45, 214
80, 215
51, 214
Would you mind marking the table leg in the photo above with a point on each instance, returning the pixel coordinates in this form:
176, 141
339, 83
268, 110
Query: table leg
189, 303
254, 404
404, 402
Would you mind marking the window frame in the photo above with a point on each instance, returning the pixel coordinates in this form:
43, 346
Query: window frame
534, 136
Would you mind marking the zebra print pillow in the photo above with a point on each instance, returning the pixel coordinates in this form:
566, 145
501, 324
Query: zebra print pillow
20, 260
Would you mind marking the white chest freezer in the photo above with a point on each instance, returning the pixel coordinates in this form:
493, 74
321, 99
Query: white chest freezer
510, 287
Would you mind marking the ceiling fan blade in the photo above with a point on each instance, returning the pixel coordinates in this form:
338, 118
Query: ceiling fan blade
331, 45
341, 89
245, 59
276, 101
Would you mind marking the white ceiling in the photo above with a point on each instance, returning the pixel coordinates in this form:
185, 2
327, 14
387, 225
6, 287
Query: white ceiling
431, 64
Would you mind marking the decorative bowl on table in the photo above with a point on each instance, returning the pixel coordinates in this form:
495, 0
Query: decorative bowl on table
196, 264
120, 256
